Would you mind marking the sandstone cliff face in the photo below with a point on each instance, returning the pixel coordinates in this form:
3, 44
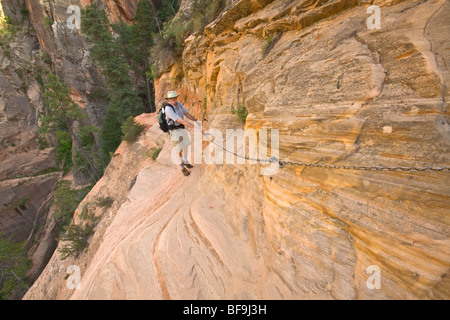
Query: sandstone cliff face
69, 54
23, 162
26, 187
339, 93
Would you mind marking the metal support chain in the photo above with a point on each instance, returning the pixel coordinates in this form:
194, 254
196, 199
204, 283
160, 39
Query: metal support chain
332, 166
367, 168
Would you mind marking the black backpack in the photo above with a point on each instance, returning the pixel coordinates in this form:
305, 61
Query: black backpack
162, 117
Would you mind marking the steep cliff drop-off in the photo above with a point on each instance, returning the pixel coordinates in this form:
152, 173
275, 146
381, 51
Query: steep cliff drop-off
35, 40
339, 93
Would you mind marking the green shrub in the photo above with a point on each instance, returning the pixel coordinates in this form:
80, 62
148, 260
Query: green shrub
66, 201
14, 264
24, 10
155, 152
104, 202
7, 34
21, 203
152, 72
64, 150
48, 22
270, 43
204, 108
205, 11
7, 20
176, 30
131, 130
76, 236
241, 113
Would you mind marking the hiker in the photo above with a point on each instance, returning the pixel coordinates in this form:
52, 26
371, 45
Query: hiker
177, 128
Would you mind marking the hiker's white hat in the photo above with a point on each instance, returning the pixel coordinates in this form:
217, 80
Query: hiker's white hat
171, 94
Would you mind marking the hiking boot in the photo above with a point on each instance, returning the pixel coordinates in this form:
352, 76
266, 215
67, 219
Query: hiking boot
185, 172
188, 165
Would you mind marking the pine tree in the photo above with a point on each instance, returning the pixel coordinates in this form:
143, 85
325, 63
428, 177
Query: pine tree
144, 28
125, 41
168, 10
112, 58
111, 136
14, 266
63, 112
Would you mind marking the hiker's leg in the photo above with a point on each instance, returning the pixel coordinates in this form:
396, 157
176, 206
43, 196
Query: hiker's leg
180, 155
181, 147
181, 159
185, 147
177, 148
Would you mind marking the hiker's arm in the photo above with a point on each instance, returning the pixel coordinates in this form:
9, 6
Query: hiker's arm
196, 124
190, 116
185, 123
187, 114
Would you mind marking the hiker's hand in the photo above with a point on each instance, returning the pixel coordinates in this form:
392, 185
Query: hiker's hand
198, 127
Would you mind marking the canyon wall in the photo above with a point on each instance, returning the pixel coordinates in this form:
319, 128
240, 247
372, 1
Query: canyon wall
28, 173
37, 42
339, 93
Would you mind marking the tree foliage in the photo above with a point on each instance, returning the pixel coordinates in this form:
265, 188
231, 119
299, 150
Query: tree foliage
61, 115
205, 11
76, 236
131, 130
114, 60
13, 266
66, 200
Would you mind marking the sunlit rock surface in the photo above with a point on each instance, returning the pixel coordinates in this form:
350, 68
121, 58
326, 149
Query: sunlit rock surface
339, 93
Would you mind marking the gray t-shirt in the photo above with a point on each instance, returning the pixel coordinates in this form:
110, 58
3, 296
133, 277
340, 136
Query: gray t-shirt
172, 117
